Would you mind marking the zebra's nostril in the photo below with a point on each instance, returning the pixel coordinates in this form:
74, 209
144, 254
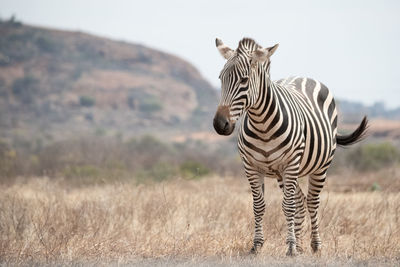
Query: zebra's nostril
226, 125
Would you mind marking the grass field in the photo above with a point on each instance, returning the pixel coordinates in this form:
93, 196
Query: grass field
180, 222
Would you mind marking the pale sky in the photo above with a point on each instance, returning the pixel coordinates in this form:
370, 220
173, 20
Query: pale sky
351, 46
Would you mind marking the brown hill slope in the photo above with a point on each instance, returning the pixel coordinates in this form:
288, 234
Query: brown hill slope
59, 84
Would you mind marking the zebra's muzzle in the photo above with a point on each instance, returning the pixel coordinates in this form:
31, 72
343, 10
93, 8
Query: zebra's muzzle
222, 122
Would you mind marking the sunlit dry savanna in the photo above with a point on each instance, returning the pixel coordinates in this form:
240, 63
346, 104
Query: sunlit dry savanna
182, 222
113, 124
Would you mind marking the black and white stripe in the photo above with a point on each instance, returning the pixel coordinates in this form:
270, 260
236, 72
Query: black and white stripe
288, 131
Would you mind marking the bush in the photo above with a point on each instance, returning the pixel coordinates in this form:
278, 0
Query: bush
90, 174
193, 169
374, 156
81, 171
46, 44
3, 88
148, 151
150, 105
139, 99
158, 172
96, 159
8, 158
147, 143
25, 88
86, 101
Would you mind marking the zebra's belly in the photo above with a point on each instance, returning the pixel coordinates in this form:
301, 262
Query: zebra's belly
270, 170
276, 168
270, 164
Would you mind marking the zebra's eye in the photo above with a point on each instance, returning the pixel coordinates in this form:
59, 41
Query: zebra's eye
244, 80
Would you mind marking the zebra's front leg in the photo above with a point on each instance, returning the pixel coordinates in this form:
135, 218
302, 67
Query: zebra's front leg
257, 189
289, 209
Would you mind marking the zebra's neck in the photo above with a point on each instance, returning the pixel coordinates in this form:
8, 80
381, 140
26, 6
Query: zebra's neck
267, 106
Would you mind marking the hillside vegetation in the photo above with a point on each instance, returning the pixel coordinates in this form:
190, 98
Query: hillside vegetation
57, 84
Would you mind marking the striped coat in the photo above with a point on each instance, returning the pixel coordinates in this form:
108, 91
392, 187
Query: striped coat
288, 131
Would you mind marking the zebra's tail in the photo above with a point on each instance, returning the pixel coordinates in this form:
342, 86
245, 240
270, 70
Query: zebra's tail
356, 136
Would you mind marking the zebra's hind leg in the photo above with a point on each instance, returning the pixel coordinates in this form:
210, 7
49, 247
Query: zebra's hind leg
315, 184
257, 189
299, 217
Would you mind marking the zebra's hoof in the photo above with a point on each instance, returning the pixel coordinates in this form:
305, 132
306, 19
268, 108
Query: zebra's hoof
291, 252
316, 247
256, 249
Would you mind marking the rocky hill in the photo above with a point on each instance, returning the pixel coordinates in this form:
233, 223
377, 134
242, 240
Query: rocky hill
58, 84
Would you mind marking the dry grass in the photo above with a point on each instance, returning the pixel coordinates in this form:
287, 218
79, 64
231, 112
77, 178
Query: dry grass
181, 222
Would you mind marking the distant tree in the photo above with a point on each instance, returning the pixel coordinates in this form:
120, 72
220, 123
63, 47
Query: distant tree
3, 88
144, 102
46, 44
13, 21
87, 101
150, 105
25, 89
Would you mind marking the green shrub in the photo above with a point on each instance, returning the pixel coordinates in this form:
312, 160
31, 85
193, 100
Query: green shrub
150, 104
158, 172
90, 174
148, 145
100, 131
87, 101
375, 187
139, 99
8, 158
374, 156
193, 169
81, 171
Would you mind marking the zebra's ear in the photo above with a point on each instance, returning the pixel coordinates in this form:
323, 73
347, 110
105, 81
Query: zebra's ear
272, 49
225, 51
262, 54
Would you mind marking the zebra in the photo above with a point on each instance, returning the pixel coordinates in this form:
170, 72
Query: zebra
288, 130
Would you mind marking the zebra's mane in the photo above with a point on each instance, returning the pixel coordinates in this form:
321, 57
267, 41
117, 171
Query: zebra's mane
247, 45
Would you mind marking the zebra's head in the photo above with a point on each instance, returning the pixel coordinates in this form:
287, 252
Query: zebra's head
240, 81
